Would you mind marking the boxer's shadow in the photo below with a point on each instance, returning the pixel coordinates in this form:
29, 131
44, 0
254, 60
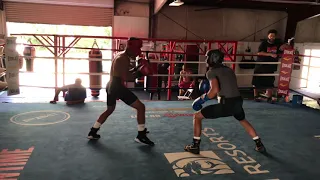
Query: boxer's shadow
103, 149
286, 165
77, 106
272, 157
148, 150
95, 144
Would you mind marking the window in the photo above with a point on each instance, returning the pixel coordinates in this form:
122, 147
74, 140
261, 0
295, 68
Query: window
310, 73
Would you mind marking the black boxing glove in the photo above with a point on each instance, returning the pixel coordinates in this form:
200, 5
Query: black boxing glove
137, 74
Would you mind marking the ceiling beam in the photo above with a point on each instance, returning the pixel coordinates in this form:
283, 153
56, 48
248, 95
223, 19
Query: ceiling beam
305, 12
244, 4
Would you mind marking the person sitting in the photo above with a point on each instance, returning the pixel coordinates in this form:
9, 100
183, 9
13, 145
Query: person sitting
185, 81
3, 84
75, 93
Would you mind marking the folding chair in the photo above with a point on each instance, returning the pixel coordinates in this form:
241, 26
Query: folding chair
186, 95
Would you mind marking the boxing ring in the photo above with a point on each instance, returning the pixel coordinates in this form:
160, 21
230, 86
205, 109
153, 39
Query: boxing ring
48, 141
164, 49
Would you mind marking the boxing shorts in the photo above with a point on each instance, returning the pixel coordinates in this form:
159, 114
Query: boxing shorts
116, 90
226, 107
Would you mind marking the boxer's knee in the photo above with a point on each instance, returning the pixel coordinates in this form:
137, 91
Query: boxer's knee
110, 109
198, 116
139, 106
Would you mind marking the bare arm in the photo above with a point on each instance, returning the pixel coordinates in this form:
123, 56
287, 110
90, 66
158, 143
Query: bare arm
180, 78
126, 69
264, 54
214, 88
63, 88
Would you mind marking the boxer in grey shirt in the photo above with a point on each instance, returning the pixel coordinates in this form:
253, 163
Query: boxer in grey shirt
227, 81
223, 83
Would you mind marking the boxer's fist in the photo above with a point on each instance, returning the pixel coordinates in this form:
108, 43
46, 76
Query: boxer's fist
197, 104
143, 62
144, 70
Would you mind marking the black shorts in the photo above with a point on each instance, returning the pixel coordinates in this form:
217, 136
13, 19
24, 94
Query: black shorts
264, 82
226, 107
116, 90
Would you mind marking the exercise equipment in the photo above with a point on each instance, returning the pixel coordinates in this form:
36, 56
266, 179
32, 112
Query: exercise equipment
20, 62
204, 86
31, 52
95, 67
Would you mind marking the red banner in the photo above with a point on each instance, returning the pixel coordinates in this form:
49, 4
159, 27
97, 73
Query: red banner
285, 72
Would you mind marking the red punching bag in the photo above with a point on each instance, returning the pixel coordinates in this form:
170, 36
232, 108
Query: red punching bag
31, 52
95, 67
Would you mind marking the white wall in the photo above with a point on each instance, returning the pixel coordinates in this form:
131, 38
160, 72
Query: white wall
131, 19
308, 30
218, 24
94, 3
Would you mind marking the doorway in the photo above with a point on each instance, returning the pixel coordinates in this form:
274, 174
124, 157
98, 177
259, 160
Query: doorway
43, 75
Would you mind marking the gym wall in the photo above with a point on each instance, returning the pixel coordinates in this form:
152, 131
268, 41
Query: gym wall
221, 24
308, 30
131, 19
92, 3
218, 24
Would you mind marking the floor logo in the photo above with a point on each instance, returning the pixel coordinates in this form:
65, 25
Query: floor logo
186, 164
39, 118
13, 162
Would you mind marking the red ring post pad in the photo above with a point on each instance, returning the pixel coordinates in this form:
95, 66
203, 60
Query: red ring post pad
285, 72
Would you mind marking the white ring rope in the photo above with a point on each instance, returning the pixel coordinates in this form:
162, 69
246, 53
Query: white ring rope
162, 75
151, 61
160, 62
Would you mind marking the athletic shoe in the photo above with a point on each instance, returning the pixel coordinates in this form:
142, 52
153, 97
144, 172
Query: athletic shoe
257, 99
193, 148
93, 134
143, 139
259, 146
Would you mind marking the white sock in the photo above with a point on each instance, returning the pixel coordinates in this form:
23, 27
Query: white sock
96, 124
141, 127
197, 138
255, 138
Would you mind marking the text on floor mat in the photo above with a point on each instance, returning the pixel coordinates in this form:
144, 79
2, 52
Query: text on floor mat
13, 162
250, 165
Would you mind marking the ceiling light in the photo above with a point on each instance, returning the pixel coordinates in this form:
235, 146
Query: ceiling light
176, 3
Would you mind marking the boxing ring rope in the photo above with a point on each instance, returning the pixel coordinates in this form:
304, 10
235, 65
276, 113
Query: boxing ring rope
58, 52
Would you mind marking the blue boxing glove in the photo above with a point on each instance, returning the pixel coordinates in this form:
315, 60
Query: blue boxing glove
197, 104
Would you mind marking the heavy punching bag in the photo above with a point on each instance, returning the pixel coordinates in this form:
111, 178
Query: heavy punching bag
95, 67
20, 62
29, 51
